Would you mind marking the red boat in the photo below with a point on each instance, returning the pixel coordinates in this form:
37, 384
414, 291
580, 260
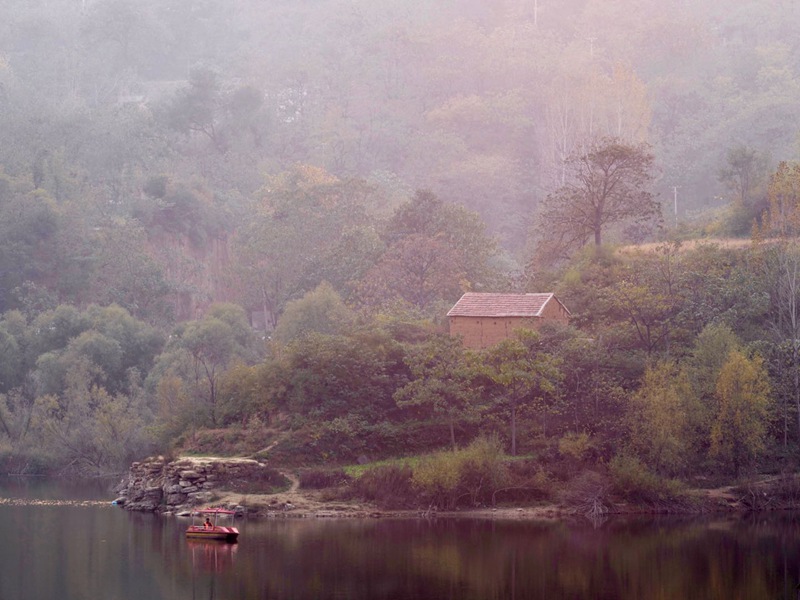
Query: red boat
211, 528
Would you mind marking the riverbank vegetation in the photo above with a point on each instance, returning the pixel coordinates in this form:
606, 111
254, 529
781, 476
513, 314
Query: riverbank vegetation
644, 390
255, 257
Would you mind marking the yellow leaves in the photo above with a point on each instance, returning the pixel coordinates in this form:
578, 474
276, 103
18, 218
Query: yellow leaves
784, 200
742, 381
440, 471
445, 473
300, 177
575, 445
472, 110
659, 419
588, 103
743, 391
775, 73
633, 114
172, 397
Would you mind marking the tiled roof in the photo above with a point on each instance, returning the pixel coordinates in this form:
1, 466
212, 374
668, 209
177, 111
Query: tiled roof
473, 304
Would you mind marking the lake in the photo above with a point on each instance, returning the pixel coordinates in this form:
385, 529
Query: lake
58, 546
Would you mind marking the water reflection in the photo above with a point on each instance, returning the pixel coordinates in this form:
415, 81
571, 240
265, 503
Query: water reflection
447, 559
214, 556
76, 552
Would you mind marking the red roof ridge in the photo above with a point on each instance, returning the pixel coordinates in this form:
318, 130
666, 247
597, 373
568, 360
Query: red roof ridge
498, 304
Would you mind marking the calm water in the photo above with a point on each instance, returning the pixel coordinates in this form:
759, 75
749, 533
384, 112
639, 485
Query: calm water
62, 551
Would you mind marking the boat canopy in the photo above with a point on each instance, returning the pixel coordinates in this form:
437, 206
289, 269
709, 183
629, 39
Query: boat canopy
215, 511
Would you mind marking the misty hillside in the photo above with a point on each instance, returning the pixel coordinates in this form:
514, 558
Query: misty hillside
478, 101
253, 216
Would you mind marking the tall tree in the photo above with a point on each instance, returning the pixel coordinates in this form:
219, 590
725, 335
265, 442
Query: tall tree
323, 378
462, 230
739, 431
659, 418
299, 223
743, 177
200, 351
779, 262
29, 223
124, 273
319, 311
607, 184
520, 372
743, 173
418, 270
435, 250
443, 377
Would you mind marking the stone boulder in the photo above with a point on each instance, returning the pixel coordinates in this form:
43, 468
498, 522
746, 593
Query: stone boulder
157, 484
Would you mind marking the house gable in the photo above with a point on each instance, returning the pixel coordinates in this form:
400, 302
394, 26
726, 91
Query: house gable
484, 320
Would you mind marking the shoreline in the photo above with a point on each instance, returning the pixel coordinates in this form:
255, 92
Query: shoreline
294, 504
179, 486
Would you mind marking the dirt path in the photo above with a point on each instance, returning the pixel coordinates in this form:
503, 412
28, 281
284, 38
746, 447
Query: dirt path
294, 503
293, 479
727, 243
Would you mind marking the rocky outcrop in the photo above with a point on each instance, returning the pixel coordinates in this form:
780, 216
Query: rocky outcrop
161, 485
201, 267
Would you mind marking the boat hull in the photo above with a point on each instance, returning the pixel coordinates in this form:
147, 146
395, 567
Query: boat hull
223, 534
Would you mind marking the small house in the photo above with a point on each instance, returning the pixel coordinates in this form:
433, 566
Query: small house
484, 320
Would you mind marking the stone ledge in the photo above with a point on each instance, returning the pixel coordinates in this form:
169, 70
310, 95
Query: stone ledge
159, 485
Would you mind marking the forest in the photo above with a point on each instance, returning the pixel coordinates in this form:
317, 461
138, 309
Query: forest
233, 227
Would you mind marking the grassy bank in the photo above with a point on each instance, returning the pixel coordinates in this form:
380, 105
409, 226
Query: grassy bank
481, 476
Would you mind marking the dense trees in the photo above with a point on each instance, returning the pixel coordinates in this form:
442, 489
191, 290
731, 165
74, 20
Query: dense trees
607, 184
434, 252
344, 382
200, 351
297, 226
161, 157
319, 311
482, 106
76, 398
223, 116
29, 221
442, 381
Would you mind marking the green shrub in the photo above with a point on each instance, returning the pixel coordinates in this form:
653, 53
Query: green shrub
317, 479
388, 486
447, 478
633, 482
30, 462
576, 445
528, 480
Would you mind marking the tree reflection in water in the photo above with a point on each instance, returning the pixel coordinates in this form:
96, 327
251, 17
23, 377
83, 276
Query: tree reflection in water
644, 558
72, 552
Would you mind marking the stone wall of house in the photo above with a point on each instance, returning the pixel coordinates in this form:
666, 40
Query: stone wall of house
161, 485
